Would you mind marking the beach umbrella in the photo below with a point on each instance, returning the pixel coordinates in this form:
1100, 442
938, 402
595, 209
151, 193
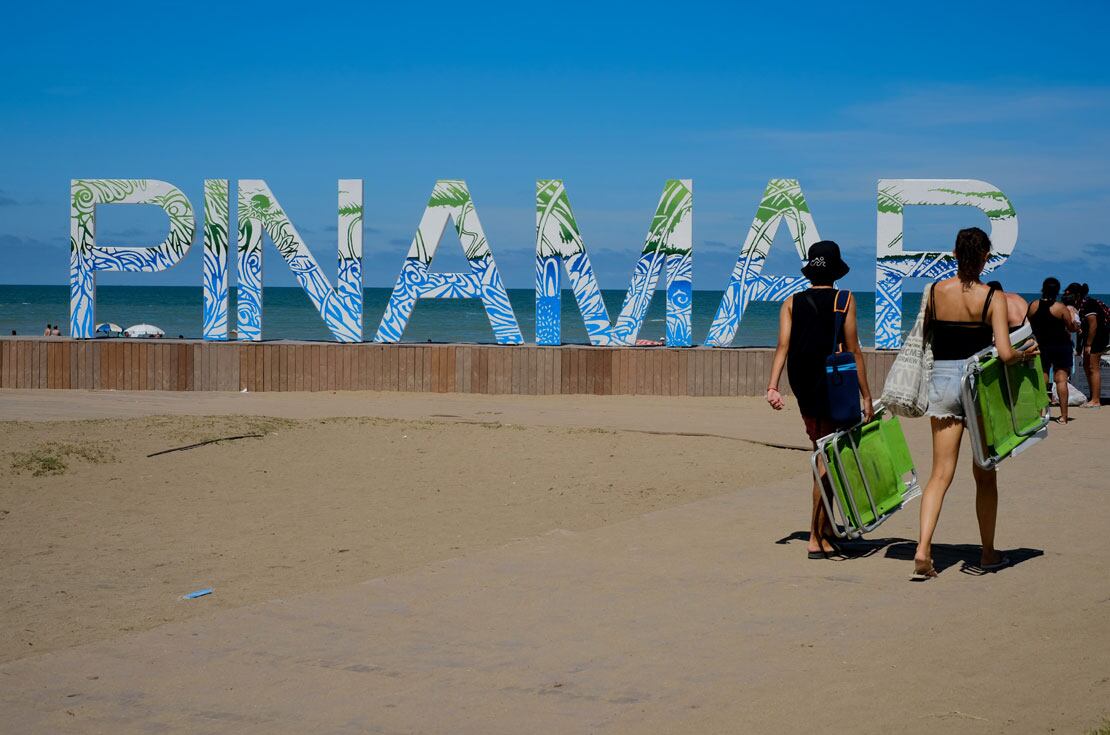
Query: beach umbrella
108, 328
144, 330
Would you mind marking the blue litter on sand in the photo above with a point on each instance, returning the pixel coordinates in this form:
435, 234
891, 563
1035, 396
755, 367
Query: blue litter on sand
198, 593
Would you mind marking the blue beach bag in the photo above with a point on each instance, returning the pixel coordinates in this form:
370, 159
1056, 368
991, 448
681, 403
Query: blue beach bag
840, 369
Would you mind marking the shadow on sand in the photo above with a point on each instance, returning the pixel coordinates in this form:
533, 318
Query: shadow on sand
944, 555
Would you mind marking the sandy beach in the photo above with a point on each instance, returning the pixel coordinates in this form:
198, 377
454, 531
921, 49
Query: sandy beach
453, 563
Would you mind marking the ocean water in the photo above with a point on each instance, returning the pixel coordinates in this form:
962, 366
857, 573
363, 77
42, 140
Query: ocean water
288, 314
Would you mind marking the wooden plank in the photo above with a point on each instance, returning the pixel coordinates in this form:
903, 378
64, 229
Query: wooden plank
603, 364
381, 355
446, 369
528, 370
181, 367
267, 367
585, 370
697, 367
157, 360
551, 370
495, 369
480, 368
22, 364
162, 364
138, 370
258, 367
245, 359
403, 368
426, 355
33, 372
763, 370
571, 371
520, 361
627, 388
146, 360
6, 379
73, 352
165, 367
493, 378
389, 367
139, 363
49, 365
714, 372
584, 364
461, 370
229, 365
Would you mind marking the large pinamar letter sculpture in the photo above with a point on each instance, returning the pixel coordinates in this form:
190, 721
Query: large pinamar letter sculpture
340, 307
894, 263
217, 223
782, 199
450, 201
559, 243
86, 257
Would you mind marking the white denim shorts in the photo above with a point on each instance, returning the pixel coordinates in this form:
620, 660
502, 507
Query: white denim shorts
945, 401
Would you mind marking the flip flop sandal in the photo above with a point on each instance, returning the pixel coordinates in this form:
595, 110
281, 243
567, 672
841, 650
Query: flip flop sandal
924, 576
1000, 564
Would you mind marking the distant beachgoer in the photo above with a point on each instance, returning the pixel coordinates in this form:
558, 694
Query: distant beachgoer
13, 333
55, 332
181, 336
962, 318
1093, 337
46, 332
1052, 326
806, 325
1016, 307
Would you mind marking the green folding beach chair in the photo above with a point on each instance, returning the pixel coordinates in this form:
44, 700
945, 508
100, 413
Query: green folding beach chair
870, 473
1006, 405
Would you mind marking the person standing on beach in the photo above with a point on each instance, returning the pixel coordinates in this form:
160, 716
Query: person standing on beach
962, 318
46, 332
1017, 308
1052, 327
806, 332
56, 332
1093, 338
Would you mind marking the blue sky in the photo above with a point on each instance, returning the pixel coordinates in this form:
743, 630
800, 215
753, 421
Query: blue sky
612, 99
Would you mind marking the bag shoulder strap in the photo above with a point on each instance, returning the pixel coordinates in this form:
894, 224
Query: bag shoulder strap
840, 313
987, 304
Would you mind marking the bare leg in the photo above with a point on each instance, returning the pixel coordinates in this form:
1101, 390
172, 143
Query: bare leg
946, 451
986, 510
1094, 373
819, 525
1061, 377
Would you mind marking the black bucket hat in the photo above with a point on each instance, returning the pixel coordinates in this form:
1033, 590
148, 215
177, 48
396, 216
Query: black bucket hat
825, 263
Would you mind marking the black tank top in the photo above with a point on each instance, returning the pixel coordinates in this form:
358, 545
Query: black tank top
811, 341
1049, 330
953, 340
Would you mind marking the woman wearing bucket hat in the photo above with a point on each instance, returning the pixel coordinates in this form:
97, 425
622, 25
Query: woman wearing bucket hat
807, 329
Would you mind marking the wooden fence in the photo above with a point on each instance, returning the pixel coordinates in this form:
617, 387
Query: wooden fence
122, 364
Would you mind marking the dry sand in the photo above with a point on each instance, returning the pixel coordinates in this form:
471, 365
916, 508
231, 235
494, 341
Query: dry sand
675, 595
